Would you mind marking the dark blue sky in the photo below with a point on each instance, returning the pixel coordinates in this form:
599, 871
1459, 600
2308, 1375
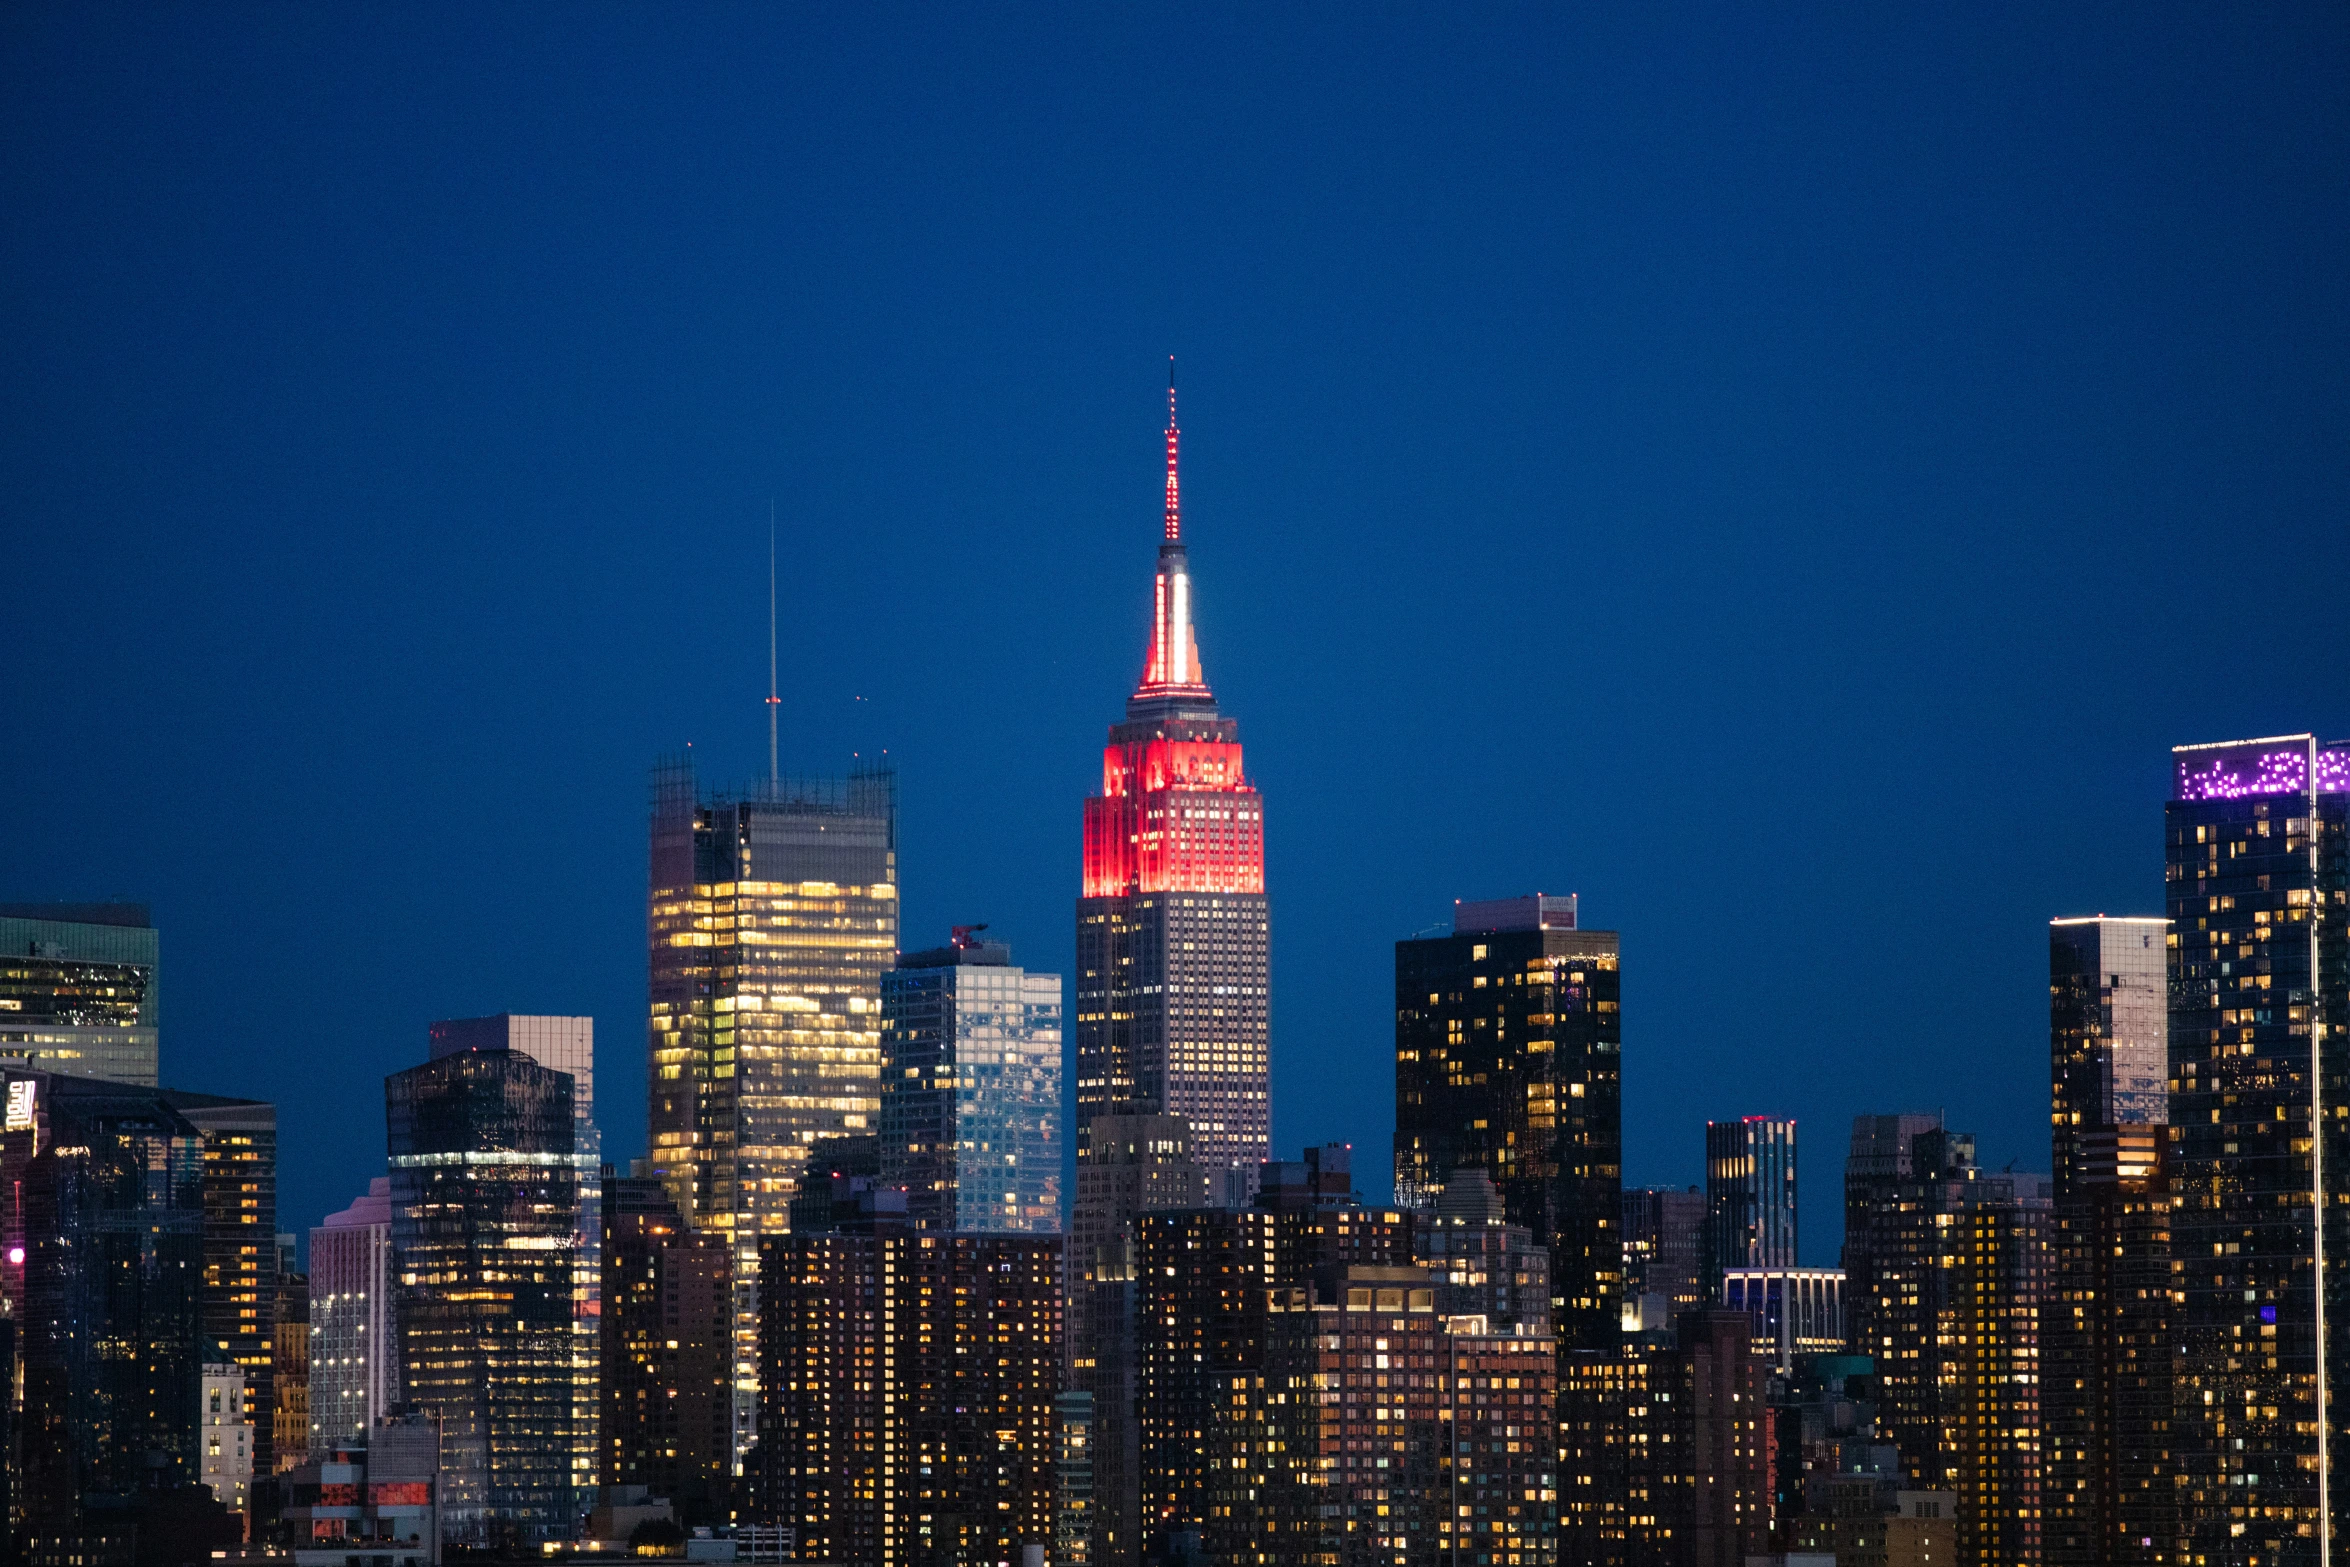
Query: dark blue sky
1787, 475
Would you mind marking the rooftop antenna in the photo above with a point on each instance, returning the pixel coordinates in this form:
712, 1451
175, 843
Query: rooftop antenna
1174, 501
774, 779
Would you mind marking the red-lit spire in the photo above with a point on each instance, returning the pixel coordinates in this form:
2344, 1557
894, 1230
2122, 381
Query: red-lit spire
1174, 496
1173, 665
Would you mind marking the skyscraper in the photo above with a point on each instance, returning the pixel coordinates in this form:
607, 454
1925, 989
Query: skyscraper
1508, 1044
909, 1384
485, 1227
1749, 1196
773, 916
354, 1346
2257, 836
1958, 1261
1128, 1166
566, 1045
971, 1089
102, 1267
1875, 1168
667, 1330
1173, 926
240, 1248
78, 990
2106, 1382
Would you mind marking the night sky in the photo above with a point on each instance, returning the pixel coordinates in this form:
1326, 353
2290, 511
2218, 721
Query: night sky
1786, 474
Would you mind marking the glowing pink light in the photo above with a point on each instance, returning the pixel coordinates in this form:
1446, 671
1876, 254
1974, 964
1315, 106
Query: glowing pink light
16, 1256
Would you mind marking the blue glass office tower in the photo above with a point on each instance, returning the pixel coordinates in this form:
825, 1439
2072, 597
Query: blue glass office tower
2257, 851
1749, 1196
971, 1089
485, 1220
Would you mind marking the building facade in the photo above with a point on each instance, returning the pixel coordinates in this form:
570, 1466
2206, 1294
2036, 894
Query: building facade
1959, 1263
102, 1266
78, 990
289, 1424
1664, 1256
1206, 1279
225, 1456
1749, 1196
1173, 927
971, 1089
485, 1224
1126, 1167
1793, 1312
1508, 1059
667, 1333
240, 1247
773, 918
566, 1045
354, 1344
2106, 1383
2257, 861
1876, 1167
910, 1382
1481, 1264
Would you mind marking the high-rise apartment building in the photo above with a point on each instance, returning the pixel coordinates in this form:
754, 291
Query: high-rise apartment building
2257, 860
2106, 1382
1959, 1263
773, 917
1173, 935
1205, 1280
1875, 1168
1508, 1059
102, 1266
909, 1382
354, 1346
1128, 1166
77, 990
485, 1230
566, 1045
1664, 1255
971, 1089
1481, 1264
667, 1331
240, 1248
1795, 1313
1749, 1196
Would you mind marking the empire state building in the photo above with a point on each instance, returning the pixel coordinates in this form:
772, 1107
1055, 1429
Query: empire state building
1172, 929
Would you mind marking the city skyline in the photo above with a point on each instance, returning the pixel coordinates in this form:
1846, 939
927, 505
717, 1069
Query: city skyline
1633, 464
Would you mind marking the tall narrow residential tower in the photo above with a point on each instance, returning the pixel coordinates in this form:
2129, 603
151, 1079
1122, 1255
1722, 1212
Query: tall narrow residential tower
2257, 834
1172, 940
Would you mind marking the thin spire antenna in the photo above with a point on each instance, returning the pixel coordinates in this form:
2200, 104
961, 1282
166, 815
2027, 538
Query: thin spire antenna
1174, 494
774, 774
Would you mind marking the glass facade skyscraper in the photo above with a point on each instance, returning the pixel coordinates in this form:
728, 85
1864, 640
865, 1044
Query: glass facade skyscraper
2257, 836
2106, 1335
1749, 1196
971, 1089
1508, 1059
773, 917
102, 1265
1173, 938
78, 990
566, 1045
485, 1235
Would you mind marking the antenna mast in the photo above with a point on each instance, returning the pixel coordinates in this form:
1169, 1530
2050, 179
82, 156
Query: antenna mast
1174, 500
774, 780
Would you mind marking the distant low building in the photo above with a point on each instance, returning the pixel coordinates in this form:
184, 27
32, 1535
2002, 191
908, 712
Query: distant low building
382, 1496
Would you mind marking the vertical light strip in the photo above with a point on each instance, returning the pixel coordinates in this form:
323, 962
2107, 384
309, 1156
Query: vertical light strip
2317, 1170
1181, 631
1159, 632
